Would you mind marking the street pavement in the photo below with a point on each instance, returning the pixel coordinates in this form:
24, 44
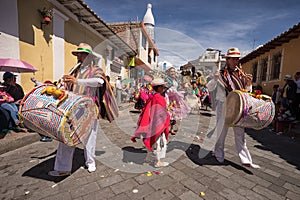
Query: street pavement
192, 174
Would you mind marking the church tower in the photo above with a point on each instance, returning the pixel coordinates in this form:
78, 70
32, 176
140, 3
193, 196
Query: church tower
149, 21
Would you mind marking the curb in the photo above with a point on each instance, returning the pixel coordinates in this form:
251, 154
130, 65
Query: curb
12, 141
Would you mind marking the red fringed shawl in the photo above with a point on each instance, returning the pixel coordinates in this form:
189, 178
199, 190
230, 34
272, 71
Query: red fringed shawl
154, 120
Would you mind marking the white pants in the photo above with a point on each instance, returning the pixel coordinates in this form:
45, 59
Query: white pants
118, 96
240, 141
160, 149
64, 155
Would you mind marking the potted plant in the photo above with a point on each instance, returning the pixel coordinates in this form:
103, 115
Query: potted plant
47, 15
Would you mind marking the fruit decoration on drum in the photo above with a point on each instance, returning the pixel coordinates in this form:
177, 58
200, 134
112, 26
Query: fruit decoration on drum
58, 94
257, 94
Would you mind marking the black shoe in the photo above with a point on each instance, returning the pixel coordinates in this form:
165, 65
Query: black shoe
16, 129
46, 139
21, 125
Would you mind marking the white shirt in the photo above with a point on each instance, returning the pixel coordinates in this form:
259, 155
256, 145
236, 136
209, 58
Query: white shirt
216, 85
118, 84
91, 82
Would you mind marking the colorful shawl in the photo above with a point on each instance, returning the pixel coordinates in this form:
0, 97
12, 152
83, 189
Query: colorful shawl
232, 80
154, 120
107, 100
103, 96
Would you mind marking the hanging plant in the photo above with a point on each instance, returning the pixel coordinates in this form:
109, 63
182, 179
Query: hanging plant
47, 15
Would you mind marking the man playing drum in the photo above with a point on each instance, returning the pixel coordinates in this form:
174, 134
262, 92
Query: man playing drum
226, 80
86, 80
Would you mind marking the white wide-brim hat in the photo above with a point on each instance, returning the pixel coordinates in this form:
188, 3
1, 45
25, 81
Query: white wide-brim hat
233, 53
158, 81
85, 48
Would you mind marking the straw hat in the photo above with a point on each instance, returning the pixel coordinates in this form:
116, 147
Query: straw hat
233, 53
83, 48
158, 81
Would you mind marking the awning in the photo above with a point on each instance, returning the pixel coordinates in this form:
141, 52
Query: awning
140, 64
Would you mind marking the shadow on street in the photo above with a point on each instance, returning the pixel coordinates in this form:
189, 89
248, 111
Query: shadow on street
193, 154
41, 170
281, 145
135, 155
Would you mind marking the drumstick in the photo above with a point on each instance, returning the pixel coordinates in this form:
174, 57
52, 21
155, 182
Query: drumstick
70, 73
74, 68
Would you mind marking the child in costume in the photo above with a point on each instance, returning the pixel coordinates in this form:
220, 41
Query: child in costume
153, 125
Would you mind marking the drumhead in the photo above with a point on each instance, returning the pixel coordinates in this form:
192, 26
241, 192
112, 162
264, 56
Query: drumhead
233, 108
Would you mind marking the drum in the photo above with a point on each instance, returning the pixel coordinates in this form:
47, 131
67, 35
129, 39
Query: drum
243, 110
69, 122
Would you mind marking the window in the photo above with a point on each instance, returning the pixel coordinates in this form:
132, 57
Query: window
264, 69
254, 72
275, 67
110, 53
144, 41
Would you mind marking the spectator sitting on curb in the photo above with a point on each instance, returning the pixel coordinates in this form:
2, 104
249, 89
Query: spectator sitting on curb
13, 88
7, 103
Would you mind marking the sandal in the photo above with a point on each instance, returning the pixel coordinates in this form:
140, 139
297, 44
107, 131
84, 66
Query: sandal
161, 164
254, 166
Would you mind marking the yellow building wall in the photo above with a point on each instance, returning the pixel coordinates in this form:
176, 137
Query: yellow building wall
35, 44
290, 63
75, 33
36, 41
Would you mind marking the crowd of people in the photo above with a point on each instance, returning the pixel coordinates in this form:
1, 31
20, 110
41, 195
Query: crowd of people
163, 101
287, 101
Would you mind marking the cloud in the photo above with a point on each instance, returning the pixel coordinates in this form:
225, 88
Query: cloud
176, 47
218, 24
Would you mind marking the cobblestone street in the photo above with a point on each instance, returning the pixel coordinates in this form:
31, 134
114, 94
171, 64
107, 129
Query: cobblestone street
193, 173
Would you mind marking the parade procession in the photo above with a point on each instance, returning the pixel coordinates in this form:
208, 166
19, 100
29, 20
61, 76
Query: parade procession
128, 100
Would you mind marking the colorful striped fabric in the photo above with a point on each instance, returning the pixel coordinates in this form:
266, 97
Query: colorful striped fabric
70, 122
243, 110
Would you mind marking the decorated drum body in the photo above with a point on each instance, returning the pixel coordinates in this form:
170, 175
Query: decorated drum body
69, 122
243, 110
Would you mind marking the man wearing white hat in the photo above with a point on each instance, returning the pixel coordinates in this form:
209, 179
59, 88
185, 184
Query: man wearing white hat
226, 80
84, 79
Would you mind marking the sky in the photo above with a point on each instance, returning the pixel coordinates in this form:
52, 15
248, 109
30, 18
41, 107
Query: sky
184, 29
